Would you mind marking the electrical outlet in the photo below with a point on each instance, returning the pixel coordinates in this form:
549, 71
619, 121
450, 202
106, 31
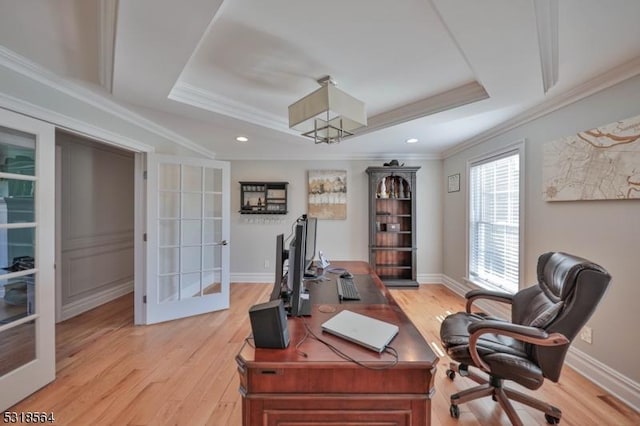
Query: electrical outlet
586, 334
266, 264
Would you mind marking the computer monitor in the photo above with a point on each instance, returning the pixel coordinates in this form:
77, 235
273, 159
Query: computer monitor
310, 241
299, 302
281, 256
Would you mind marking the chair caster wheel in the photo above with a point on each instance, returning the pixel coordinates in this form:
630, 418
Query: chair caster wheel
451, 374
552, 420
454, 411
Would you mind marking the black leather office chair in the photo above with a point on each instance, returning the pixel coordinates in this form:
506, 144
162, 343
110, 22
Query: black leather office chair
545, 318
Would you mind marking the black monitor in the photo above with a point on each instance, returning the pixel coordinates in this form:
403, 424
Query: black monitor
310, 242
281, 256
299, 303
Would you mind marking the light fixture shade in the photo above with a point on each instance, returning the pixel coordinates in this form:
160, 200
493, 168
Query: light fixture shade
327, 115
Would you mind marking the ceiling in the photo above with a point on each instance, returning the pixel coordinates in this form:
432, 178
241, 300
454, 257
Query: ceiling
441, 71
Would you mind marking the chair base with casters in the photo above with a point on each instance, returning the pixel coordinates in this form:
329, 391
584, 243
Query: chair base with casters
531, 347
493, 386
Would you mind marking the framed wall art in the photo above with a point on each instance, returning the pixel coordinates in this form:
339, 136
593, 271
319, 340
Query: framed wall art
453, 183
328, 194
596, 164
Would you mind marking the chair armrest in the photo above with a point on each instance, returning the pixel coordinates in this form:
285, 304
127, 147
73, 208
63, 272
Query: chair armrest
533, 335
498, 296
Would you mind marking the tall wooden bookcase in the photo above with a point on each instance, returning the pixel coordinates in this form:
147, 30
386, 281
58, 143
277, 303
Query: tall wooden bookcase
392, 224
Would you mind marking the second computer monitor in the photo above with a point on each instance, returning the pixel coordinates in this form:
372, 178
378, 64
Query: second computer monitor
299, 299
310, 241
281, 256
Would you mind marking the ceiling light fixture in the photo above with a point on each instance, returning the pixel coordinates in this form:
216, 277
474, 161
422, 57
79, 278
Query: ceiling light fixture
327, 115
411, 140
242, 139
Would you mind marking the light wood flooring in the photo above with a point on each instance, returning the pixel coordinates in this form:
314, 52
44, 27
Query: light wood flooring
110, 372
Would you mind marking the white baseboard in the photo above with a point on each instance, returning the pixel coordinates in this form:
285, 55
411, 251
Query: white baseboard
602, 375
455, 286
606, 377
496, 309
429, 278
76, 308
252, 277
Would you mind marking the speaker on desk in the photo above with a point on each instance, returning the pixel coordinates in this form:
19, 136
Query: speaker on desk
269, 325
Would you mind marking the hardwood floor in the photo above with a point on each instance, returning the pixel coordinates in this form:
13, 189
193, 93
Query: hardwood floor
110, 372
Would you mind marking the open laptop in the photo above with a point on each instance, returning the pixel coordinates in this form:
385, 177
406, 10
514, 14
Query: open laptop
361, 329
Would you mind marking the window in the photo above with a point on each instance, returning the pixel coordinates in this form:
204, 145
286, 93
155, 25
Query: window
494, 220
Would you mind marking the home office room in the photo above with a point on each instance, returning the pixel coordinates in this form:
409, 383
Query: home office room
418, 213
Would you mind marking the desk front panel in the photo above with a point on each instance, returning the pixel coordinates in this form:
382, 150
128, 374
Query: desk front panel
331, 411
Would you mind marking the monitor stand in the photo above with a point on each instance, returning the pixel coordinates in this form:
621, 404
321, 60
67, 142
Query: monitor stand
311, 273
304, 308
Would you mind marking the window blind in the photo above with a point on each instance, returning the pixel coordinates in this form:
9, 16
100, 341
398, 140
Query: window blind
494, 205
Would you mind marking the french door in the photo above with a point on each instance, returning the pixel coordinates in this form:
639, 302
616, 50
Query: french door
27, 235
188, 211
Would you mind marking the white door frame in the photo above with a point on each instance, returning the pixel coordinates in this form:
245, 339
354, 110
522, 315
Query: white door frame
58, 255
139, 225
139, 239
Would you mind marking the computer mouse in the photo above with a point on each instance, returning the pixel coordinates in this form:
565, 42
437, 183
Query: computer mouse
346, 274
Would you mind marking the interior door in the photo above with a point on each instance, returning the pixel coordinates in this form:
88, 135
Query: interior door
187, 237
27, 234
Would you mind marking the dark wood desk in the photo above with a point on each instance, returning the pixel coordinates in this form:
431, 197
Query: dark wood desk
311, 385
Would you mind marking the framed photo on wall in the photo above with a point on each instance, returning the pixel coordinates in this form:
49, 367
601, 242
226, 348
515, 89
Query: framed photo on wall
328, 194
453, 183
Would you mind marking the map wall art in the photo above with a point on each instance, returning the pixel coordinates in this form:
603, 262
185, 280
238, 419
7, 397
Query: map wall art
597, 164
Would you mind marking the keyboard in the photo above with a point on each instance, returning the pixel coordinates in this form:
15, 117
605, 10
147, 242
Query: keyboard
347, 289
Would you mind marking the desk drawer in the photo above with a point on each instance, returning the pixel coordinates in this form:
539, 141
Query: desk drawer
338, 380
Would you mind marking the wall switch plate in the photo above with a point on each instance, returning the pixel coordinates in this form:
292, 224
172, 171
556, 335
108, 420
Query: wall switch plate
586, 334
266, 264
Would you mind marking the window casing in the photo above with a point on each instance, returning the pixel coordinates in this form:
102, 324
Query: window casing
494, 217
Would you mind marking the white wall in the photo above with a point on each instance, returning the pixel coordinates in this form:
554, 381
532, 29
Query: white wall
606, 232
253, 243
96, 216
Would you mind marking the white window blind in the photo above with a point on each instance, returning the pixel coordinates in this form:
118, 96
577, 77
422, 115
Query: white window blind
494, 235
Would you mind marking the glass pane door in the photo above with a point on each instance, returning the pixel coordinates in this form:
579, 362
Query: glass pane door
27, 360
187, 237
17, 264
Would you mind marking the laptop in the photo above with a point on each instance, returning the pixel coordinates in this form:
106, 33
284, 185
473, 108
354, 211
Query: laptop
361, 329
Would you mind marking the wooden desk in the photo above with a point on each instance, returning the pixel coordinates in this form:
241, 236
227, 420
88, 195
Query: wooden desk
311, 385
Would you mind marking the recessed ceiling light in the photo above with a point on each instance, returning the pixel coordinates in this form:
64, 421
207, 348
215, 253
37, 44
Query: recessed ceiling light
242, 139
411, 140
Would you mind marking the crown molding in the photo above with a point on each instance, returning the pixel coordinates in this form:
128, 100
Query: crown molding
291, 156
546, 12
31, 70
107, 19
207, 100
603, 81
454, 98
200, 98
71, 124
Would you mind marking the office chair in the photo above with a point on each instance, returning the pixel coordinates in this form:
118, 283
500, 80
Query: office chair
545, 318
